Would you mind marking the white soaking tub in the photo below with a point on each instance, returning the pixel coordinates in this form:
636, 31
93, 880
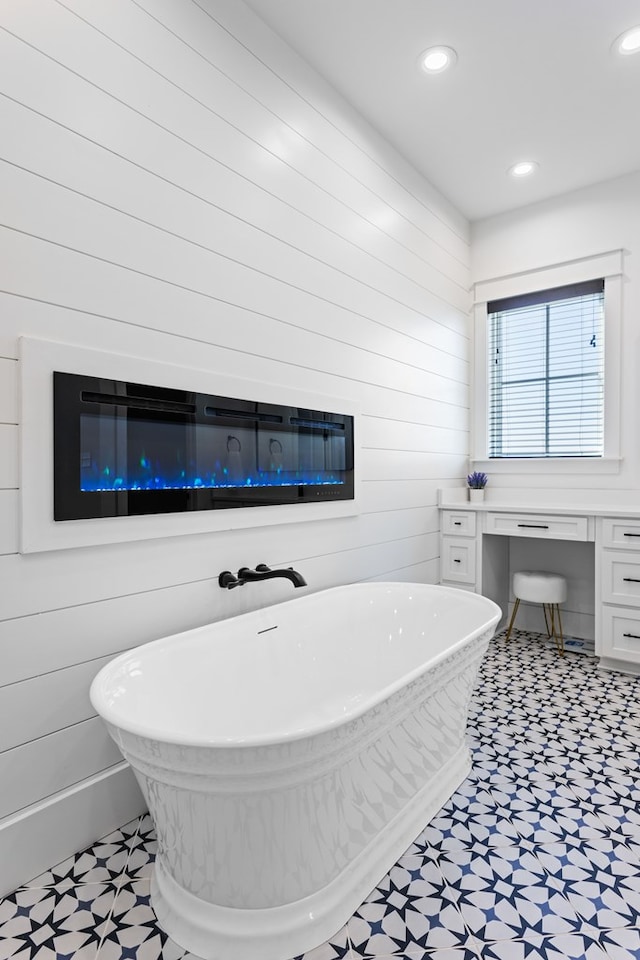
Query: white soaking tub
289, 756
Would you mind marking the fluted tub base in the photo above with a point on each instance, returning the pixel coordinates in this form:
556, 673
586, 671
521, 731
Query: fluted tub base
283, 932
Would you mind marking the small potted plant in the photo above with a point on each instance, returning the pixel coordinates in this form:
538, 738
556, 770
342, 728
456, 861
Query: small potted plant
476, 482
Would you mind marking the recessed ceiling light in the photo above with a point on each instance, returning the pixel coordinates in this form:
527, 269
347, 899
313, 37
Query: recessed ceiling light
437, 59
628, 42
522, 169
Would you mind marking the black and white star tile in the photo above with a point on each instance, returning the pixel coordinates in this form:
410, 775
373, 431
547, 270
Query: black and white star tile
535, 857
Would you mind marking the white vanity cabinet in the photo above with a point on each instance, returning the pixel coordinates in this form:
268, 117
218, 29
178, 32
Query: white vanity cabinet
458, 548
474, 544
618, 593
480, 545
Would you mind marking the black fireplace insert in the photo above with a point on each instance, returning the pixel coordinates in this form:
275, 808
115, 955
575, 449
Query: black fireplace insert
125, 449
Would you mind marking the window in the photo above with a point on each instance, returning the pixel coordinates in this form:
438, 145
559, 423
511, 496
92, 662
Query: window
546, 373
505, 455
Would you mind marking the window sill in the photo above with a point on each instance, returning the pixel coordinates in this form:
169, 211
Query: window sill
549, 466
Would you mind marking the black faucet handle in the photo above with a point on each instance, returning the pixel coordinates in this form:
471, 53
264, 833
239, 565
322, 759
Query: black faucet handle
227, 580
263, 568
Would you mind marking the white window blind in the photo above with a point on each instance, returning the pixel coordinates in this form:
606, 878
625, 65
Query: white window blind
546, 373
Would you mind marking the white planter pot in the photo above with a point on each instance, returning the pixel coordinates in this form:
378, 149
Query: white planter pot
476, 496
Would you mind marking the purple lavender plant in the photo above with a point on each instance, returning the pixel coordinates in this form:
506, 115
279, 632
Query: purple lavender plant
477, 481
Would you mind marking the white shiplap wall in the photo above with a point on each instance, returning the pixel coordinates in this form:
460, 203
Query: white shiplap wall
177, 185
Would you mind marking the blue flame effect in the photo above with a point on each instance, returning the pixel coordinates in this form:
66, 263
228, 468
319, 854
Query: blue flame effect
108, 481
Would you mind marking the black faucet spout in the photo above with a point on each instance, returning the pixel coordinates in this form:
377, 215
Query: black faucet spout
263, 572
228, 580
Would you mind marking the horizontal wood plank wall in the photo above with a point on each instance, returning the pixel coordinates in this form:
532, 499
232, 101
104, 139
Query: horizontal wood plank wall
176, 184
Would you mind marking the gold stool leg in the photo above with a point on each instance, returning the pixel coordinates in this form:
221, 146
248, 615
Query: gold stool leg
513, 617
556, 633
560, 636
546, 618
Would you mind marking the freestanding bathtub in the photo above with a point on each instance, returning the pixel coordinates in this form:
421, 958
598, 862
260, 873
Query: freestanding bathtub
289, 756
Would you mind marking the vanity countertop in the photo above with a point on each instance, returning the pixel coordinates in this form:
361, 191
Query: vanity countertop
449, 501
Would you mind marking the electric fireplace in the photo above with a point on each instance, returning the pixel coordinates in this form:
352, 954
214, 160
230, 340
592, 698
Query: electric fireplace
126, 449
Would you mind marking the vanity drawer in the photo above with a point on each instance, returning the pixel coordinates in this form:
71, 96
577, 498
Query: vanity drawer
458, 560
538, 525
621, 633
459, 523
620, 577
621, 533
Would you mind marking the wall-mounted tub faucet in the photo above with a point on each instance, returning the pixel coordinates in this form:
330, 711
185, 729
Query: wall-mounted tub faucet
262, 572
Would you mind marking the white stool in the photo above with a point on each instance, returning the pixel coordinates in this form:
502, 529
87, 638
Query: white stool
550, 590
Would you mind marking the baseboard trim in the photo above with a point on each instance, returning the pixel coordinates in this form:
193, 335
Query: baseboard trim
619, 666
48, 832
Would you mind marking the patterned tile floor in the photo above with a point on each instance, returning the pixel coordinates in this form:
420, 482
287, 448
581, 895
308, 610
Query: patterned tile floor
537, 855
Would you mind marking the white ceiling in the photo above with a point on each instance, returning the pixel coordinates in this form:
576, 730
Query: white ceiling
534, 80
